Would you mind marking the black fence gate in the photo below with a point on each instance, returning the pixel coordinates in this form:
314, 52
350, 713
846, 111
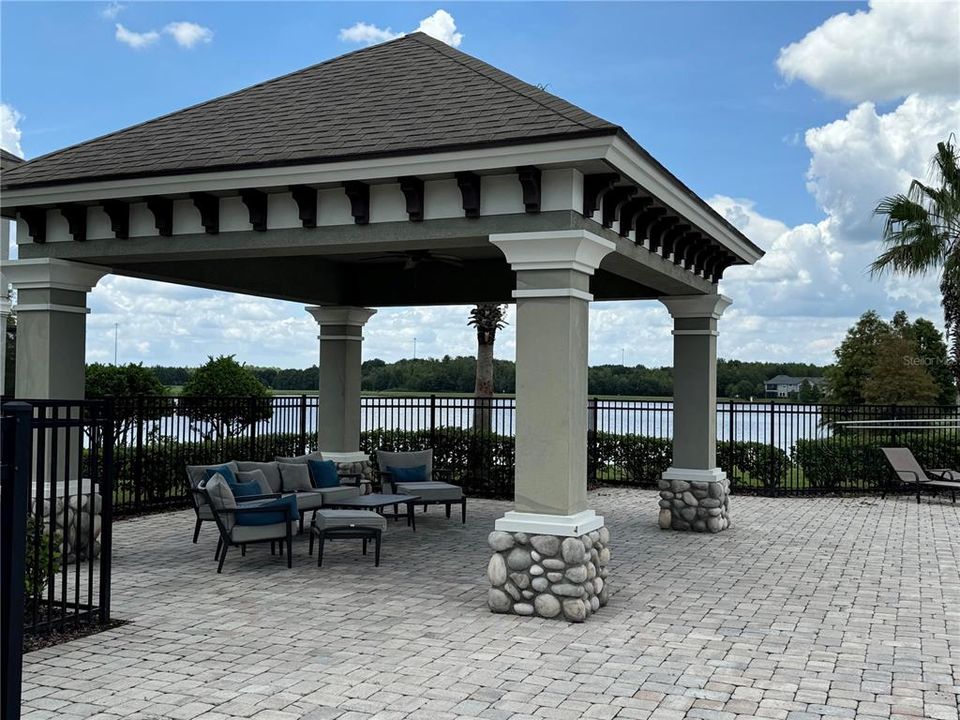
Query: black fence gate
56, 490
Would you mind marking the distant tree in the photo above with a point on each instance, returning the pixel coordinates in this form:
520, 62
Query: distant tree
744, 390
898, 377
922, 234
222, 397
125, 383
487, 318
932, 353
856, 357
809, 393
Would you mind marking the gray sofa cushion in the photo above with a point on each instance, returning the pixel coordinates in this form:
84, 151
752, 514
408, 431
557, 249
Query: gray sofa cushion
333, 494
255, 476
327, 519
270, 470
196, 474
309, 500
251, 533
295, 477
222, 499
387, 459
431, 491
301, 459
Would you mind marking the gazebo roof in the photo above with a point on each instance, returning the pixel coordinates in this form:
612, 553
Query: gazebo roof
410, 95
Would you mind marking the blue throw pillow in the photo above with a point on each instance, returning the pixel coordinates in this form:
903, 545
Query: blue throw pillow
224, 470
244, 489
408, 474
323, 473
269, 518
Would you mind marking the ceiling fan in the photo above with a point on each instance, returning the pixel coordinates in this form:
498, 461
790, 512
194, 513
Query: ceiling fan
414, 258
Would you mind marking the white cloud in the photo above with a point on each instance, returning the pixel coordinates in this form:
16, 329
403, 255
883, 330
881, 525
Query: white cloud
440, 25
865, 156
111, 10
367, 34
188, 34
136, 40
9, 129
889, 51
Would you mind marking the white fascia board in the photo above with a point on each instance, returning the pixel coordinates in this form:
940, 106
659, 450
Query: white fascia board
631, 164
540, 154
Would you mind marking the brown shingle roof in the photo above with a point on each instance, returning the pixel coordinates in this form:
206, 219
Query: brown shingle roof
411, 95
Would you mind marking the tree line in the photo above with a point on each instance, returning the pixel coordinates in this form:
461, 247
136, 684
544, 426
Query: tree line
735, 378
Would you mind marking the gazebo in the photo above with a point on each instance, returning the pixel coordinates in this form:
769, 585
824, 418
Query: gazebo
338, 186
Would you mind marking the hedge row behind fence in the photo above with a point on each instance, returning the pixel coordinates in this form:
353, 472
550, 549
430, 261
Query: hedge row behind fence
154, 477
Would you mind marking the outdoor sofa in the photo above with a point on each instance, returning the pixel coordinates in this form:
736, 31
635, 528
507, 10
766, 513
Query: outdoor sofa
271, 476
413, 473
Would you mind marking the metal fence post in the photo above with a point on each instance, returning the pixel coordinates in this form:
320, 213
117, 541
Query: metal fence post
433, 419
106, 508
772, 462
17, 444
138, 461
303, 424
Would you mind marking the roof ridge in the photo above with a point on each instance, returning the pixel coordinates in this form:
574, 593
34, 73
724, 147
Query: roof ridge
469, 62
203, 103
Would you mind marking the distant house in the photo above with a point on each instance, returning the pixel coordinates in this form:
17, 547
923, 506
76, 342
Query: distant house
784, 385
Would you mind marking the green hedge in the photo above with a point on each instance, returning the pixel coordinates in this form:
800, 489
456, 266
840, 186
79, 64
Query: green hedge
854, 462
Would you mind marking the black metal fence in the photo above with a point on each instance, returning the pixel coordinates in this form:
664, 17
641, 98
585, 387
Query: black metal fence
57, 498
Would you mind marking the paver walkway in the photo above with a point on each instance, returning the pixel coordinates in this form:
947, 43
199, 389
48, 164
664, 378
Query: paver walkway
803, 609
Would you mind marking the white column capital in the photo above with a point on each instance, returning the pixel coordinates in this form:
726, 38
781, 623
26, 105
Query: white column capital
46, 273
554, 250
340, 315
696, 306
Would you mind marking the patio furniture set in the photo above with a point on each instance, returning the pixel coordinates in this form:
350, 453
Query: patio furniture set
259, 502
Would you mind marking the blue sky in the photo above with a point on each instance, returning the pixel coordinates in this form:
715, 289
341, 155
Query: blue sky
789, 150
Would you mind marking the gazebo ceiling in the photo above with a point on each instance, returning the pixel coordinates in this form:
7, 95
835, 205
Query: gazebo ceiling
373, 178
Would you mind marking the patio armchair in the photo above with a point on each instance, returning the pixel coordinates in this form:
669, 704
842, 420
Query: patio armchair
239, 525
430, 491
908, 470
196, 474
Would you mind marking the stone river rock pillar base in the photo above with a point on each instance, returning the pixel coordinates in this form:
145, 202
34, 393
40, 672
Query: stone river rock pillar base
551, 576
697, 500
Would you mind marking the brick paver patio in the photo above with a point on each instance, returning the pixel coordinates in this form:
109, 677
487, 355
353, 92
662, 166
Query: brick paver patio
803, 609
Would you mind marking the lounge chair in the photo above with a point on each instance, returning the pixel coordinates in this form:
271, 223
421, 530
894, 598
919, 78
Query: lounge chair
241, 524
908, 470
430, 491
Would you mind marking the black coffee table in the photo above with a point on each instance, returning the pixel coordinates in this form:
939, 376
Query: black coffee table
377, 502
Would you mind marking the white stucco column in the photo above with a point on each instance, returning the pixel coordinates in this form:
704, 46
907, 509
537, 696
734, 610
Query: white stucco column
550, 498
5, 308
699, 488
341, 338
51, 325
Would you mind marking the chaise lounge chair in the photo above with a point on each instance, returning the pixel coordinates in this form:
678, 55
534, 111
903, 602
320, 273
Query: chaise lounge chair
908, 470
412, 473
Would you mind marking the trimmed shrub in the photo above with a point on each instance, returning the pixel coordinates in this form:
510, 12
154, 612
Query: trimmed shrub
851, 461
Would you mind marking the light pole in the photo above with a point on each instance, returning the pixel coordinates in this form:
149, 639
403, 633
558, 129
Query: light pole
116, 331
623, 353
414, 348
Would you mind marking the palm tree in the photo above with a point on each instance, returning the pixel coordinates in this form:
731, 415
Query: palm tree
487, 318
922, 233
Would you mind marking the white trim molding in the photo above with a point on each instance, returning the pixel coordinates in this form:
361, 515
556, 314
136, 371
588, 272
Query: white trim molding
556, 152
691, 475
51, 273
51, 307
696, 306
553, 293
340, 315
554, 250
356, 338
694, 332
541, 524
639, 169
